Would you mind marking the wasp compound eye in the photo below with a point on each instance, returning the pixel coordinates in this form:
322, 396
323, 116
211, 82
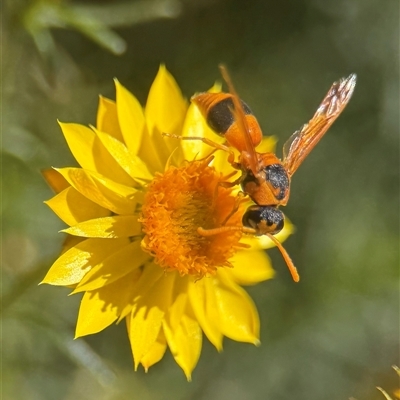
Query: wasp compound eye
264, 219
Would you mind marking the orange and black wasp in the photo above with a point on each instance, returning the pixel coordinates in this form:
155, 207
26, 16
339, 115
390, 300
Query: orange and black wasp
265, 178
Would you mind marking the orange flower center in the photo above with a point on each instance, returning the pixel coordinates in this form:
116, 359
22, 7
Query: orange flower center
177, 203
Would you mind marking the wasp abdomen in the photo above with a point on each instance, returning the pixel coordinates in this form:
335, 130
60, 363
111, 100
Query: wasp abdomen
220, 116
218, 110
264, 219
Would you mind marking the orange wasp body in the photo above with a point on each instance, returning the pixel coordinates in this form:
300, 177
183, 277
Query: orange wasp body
265, 178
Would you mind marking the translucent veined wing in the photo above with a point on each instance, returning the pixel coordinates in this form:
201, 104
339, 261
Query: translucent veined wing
240, 119
299, 145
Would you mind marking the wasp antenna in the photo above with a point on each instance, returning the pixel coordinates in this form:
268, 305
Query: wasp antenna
286, 257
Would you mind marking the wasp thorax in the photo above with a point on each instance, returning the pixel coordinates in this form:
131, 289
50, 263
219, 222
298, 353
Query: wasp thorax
278, 177
274, 174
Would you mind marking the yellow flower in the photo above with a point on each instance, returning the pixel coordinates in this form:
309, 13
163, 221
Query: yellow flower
133, 209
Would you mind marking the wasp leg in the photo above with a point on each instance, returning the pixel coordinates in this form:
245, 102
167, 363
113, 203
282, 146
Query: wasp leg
223, 229
239, 198
208, 156
224, 178
225, 185
218, 146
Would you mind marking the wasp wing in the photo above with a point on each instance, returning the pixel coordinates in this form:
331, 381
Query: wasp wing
240, 119
297, 148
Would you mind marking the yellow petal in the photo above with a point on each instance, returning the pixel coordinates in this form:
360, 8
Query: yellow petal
150, 153
250, 267
72, 207
149, 310
185, 341
101, 307
80, 140
203, 302
165, 112
238, 316
267, 145
114, 267
55, 180
165, 108
72, 265
130, 117
156, 352
196, 126
222, 165
264, 242
69, 242
131, 163
91, 153
105, 192
165, 148
107, 227
216, 88
179, 299
151, 273
107, 118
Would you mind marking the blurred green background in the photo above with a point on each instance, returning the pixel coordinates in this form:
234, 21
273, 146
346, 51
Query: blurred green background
334, 335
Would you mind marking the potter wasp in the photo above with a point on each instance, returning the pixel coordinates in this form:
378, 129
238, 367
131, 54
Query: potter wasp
264, 177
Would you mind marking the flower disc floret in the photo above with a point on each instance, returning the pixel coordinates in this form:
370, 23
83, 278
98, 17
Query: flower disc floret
177, 203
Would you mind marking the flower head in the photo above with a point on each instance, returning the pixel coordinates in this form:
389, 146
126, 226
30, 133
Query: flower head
133, 210
176, 204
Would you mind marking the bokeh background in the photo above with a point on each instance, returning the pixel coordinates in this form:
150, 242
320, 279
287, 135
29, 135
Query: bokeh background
334, 335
